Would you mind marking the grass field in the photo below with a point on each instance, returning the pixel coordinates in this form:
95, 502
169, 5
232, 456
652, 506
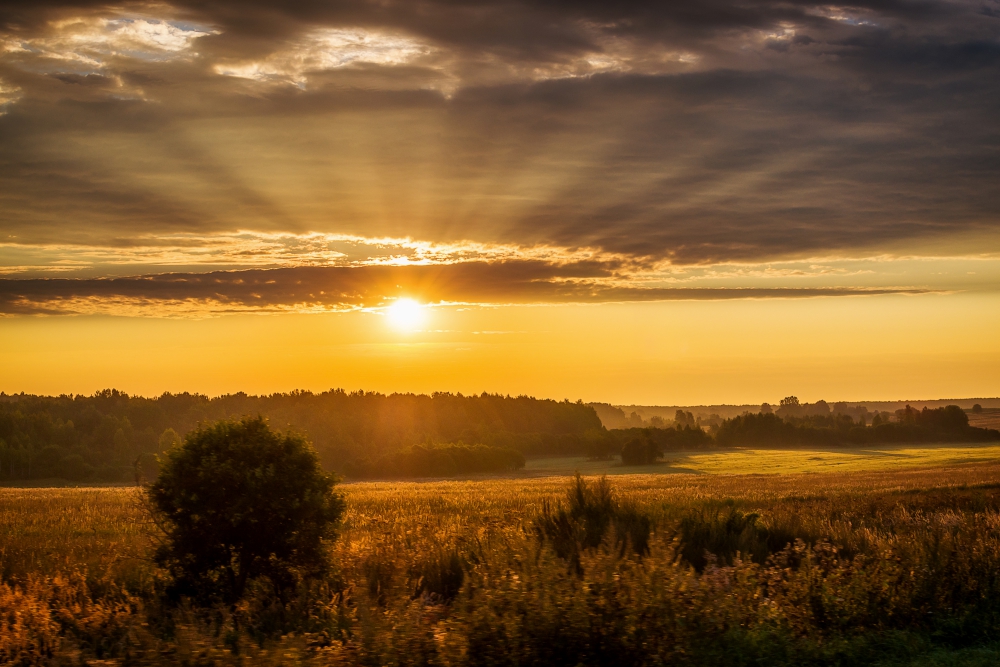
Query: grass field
51, 529
988, 418
884, 550
780, 461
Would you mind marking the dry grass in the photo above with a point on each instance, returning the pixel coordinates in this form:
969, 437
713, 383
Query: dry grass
103, 530
988, 418
76, 587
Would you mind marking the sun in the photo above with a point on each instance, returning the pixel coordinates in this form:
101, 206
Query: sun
406, 314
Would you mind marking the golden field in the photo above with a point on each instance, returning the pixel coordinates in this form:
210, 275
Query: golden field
872, 554
749, 461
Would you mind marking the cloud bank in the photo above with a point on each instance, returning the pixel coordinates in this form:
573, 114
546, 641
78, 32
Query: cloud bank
647, 136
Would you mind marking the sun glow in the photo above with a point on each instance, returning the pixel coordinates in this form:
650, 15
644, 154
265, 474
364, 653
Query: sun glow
406, 314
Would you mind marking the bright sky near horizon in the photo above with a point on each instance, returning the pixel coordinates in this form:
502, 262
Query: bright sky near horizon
632, 202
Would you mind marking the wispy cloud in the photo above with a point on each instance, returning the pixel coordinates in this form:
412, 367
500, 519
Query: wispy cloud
244, 249
328, 289
327, 49
89, 44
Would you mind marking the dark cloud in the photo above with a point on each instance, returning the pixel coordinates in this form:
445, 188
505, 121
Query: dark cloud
720, 131
530, 29
308, 288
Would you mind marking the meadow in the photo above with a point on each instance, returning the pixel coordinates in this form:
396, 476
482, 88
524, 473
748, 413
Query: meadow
870, 564
986, 418
749, 460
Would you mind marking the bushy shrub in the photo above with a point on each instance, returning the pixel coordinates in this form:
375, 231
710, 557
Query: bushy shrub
238, 502
723, 535
725, 532
591, 514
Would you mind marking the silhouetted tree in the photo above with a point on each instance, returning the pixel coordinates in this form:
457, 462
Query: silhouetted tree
238, 502
635, 420
639, 451
682, 418
976, 409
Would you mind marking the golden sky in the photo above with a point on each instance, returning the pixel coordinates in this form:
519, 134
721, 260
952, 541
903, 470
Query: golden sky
683, 352
628, 202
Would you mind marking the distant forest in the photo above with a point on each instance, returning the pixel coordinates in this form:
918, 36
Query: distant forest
369, 435
99, 437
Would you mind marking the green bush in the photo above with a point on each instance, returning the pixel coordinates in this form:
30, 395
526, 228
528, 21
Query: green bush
238, 502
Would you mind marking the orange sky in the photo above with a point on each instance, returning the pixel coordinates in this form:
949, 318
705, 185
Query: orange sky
857, 348
629, 202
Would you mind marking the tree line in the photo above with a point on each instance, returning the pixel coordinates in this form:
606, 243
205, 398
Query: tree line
443, 461
947, 424
102, 437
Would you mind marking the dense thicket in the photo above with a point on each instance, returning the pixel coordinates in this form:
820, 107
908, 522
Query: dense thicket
99, 437
238, 502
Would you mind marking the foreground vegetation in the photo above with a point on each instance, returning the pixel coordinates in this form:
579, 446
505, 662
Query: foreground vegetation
900, 568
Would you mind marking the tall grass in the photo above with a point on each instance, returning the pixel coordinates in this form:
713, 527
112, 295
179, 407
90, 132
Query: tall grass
801, 569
